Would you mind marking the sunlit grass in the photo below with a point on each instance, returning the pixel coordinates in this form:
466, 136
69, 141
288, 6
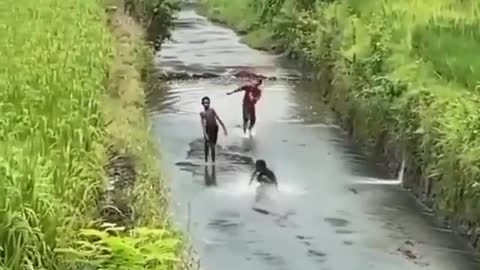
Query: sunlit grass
236, 14
55, 57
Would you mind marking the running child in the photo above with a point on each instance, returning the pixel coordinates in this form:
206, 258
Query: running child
250, 99
209, 120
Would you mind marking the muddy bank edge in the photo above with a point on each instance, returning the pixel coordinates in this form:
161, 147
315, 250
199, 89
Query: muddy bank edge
384, 71
136, 195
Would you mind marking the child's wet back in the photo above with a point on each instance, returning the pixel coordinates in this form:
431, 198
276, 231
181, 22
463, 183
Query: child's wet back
264, 174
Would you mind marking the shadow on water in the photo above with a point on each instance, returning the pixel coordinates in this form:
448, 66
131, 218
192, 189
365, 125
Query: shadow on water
210, 179
228, 159
313, 221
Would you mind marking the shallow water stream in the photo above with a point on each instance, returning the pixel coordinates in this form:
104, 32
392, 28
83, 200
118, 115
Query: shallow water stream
334, 209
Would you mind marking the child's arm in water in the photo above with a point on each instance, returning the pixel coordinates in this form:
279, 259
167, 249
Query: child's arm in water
220, 121
253, 177
202, 121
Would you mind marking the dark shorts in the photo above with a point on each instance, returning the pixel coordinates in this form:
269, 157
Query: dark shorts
248, 112
212, 132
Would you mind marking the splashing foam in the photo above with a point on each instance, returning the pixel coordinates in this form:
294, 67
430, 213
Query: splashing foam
241, 188
378, 181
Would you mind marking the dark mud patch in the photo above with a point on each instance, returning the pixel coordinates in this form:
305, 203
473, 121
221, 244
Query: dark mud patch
270, 258
353, 190
343, 231
284, 222
318, 255
226, 159
114, 206
199, 41
337, 222
189, 24
187, 166
408, 251
261, 211
194, 72
304, 240
301, 237
226, 221
223, 224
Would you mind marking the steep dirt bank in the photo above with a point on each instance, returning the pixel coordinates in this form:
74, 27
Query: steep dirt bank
136, 194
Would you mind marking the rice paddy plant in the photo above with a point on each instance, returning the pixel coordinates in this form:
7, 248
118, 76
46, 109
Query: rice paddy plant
452, 50
56, 56
435, 128
139, 249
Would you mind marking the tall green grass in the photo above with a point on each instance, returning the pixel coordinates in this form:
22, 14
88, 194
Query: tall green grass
407, 70
55, 60
59, 59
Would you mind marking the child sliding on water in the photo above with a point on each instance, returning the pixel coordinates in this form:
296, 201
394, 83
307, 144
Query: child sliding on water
209, 120
265, 175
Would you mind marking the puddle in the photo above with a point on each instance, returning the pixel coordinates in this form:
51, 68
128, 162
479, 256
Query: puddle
336, 222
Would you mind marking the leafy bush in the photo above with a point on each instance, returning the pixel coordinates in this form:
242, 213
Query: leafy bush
111, 248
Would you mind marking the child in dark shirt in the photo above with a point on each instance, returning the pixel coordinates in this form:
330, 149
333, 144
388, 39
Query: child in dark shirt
265, 175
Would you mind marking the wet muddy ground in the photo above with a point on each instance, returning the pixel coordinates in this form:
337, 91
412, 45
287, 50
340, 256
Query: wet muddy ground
334, 209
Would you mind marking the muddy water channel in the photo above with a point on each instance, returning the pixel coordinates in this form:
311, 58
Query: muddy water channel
334, 209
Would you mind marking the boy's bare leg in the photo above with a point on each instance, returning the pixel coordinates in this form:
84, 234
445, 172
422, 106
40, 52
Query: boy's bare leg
212, 145
245, 123
206, 150
253, 119
245, 118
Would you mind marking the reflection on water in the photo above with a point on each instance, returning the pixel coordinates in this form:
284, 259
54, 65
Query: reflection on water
210, 179
316, 219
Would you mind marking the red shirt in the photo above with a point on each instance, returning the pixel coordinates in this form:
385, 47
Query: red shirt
252, 94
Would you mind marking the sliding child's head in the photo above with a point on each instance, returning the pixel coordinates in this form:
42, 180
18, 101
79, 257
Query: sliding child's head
260, 164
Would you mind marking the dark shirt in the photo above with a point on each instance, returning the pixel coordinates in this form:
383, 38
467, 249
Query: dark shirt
266, 176
252, 94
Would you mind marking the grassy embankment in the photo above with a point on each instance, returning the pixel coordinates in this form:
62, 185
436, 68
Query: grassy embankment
71, 103
403, 75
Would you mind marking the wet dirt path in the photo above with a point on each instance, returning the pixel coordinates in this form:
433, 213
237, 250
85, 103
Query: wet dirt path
317, 221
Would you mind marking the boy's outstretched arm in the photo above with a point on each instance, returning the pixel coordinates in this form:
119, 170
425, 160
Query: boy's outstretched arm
220, 121
236, 90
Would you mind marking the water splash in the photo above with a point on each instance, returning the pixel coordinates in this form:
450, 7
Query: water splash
379, 181
402, 171
376, 181
239, 188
